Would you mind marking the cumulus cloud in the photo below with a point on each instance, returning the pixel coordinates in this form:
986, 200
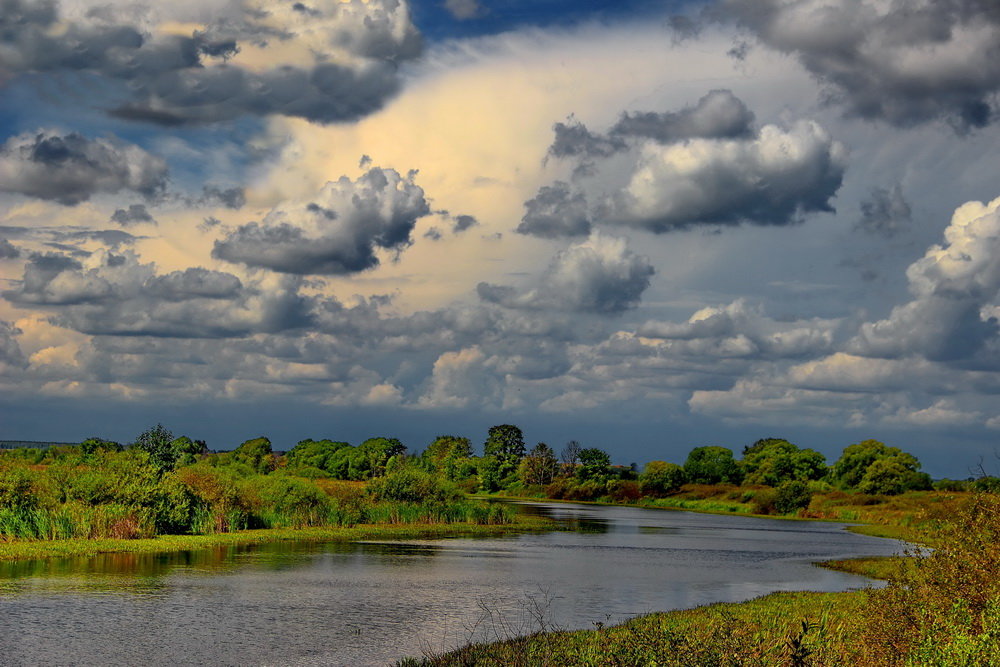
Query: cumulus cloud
953, 313
884, 212
557, 210
901, 61
702, 165
324, 60
10, 351
337, 232
71, 168
717, 115
599, 275
740, 329
116, 294
233, 198
8, 250
135, 214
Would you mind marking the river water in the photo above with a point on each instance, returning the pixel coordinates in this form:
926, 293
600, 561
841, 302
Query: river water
371, 603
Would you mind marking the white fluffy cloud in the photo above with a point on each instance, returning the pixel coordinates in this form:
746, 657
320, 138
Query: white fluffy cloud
599, 275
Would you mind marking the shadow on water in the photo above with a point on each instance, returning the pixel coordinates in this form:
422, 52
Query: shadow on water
572, 517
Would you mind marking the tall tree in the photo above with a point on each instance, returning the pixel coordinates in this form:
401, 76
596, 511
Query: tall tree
712, 465
506, 443
595, 464
156, 442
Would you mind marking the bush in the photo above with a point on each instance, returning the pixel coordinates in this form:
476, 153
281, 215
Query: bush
792, 496
412, 485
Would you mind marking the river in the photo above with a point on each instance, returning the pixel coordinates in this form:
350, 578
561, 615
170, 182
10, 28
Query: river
370, 603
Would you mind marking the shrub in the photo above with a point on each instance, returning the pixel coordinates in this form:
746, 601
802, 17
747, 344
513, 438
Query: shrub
412, 485
791, 496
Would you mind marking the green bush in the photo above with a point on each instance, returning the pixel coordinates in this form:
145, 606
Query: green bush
791, 496
415, 486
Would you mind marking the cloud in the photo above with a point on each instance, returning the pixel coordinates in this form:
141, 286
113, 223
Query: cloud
557, 210
704, 165
135, 214
337, 232
599, 275
325, 60
233, 198
10, 351
952, 315
116, 294
902, 62
739, 329
71, 168
717, 115
464, 9
885, 212
8, 250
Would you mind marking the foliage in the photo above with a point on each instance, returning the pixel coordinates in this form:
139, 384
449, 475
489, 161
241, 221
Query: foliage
792, 495
255, 453
539, 467
411, 485
156, 441
660, 478
772, 461
595, 464
712, 465
506, 444
872, 467
448, 446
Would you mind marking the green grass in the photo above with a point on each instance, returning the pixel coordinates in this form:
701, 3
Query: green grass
31, 549
777, 629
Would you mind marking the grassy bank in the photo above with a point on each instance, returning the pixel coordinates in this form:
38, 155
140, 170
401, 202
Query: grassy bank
942, 609
32, 549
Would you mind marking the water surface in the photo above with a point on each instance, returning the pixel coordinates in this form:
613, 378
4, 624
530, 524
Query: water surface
370, 603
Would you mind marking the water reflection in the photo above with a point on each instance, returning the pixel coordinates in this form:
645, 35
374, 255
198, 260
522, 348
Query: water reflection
373, 602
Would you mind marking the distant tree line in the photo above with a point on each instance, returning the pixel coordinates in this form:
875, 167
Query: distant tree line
162, 483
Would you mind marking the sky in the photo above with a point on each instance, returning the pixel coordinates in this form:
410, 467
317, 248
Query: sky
646, 226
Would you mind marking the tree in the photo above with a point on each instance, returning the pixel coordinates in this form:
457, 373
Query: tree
319, 454
186, 450
595, 464
539, 466
378, 451
506, 443
772, 461
872, 467
93, 445
156, 442
660, 477
445, 446
256, 453
570, 456
712, 465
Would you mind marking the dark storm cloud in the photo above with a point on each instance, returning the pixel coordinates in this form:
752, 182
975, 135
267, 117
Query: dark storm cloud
463, 222
233, 198
901, 61
116, 294
10, 351
884, 212
557, 210
71, 168
188, 79
8, 250
573, 139
705, 164
133, 215
339, 232
599, 275
717, 115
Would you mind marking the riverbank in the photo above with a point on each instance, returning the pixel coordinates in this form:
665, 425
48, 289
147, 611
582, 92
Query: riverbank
942, 609
34, 549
